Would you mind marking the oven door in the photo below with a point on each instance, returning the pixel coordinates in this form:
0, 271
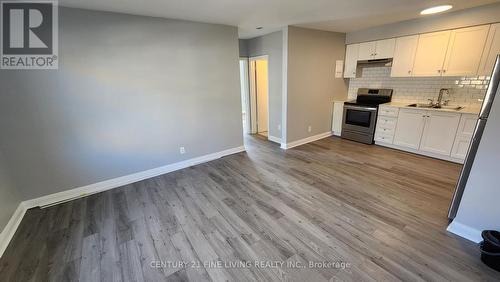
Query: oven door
359, 118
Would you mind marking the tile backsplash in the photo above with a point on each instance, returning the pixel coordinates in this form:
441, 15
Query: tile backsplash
463, 90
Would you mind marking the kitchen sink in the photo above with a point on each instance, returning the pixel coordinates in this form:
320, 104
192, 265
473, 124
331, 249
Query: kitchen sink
429, 106
456, 108
421, 106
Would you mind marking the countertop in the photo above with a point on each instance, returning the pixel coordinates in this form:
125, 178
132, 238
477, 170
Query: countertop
464, 110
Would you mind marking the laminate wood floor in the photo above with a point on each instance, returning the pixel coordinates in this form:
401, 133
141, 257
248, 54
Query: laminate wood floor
373, 213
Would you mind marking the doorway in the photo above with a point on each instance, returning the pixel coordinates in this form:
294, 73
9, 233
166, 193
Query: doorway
259, 95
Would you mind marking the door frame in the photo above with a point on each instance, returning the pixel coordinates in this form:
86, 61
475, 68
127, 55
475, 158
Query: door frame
254, 127
246, 81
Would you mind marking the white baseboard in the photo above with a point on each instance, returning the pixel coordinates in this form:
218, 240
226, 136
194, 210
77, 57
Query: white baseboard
274, 139
465, 231
124, 180
84, 191
306, 140
418, 152
11, 227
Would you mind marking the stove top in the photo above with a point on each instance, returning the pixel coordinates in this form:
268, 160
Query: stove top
371, 97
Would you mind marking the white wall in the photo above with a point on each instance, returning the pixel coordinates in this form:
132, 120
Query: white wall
129, 91
479, 209
462, 18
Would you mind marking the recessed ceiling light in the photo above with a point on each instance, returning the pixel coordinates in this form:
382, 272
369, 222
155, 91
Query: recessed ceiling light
259, 27
436, 9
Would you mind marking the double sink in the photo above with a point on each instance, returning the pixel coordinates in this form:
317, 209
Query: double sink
430, 106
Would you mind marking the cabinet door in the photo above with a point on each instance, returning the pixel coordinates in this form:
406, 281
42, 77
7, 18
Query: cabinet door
460, 147
351, 60
491, 50
409, 128
431, 53
439, 132
404, 56
338, 112
367, 50
384, 48
464, 51
464, 135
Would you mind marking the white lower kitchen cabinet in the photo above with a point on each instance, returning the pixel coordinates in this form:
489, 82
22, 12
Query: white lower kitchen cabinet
338, 114
439, 132
464, 136
410, 126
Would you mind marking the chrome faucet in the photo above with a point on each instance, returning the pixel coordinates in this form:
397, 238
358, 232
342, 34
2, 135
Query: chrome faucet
440, 97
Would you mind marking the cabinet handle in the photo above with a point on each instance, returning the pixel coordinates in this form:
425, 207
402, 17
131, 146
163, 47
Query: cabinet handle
444, 71
409, 72
439, 71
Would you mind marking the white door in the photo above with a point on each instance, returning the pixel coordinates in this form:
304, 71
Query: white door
431, 53
439, 132
351, 60
404, 56
262, 97
409, 128
491, 50
253, 95
385, 48
464, 51
366, 50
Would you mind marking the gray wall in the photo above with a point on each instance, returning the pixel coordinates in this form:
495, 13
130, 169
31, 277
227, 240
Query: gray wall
243, 46
271, 45
462, 18
9, 196
129, 92
312, 85
479, 208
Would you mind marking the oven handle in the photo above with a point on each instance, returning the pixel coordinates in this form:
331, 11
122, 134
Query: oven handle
360, 108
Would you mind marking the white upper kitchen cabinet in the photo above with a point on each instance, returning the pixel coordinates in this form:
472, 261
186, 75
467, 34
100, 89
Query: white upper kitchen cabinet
439, 132
409, 128
385, 48
373, 50
431, 53
464, 51
367, 50
491, 50
351, 60
404, 56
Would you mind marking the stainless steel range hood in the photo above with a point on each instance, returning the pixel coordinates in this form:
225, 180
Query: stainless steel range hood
376, 63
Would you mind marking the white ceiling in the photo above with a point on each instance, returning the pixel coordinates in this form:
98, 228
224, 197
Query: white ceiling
333, 15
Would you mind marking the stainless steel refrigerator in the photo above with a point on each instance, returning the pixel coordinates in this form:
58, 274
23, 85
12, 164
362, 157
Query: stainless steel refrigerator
492, 91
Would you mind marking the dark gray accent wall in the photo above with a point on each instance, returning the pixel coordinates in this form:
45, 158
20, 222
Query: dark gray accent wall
129, 92
272, 46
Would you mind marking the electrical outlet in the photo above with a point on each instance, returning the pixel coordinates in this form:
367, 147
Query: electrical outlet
182, 150
309, 128
279, 126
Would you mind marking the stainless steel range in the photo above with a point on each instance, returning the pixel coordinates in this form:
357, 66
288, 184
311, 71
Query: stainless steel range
360, 116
